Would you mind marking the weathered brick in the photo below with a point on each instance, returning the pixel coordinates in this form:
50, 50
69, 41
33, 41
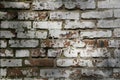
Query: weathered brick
16, 24
23, 43
58, 73
96, 73
6, 34
22, 53
117, 53
62, 43
22, 72
46, 5
3, 15
63, 34
40, 62
10, 62
3, 44
108, 23
96, 34
69, 4
116, 32
6, 53
32, 34
97, 14
94, 52
116, 73
38, 78
47, 24
109, 4
10, 79
114, 43
18, 5
54, 52
38, 52
3, 72
117, 13
102, 43
64, 15
32, 15
74, 62
79, 24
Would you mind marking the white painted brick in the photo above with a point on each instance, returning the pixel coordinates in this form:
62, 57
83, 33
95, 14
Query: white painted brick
117, 53
46, 5
32, 34
69, 4
3, 72
19, 5
63, 34
3, 44
114, 43
62, 43
10, 62
117, 13
54, 52
22, 53
23, 43
109, 23
16, 24
97, 14
78, 24
6, 53
64, 15
3, 15
96, 34
74, 62
97, 72
6, 34
89, 4
94, 52
56, 73
116, 32
47, 24
109, 4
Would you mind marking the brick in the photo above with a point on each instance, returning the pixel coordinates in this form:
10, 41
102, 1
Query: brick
88, 4
10, 79
63, 34
69, 4
109, 4
117, 53
79, 24
38, 52
102, 43
62, 43
47, 24
22, 53
54, 52
58, 73
23, 43
117, 13
96, 34
3, 15
10, 62
22, 72
32, 34
97, 14
116, 32
114, 43
64, 15
17, 5
6, 53
3, 44
38, 78
32, 15
40, 62
46, 5
110, 62
15, 24
6, 34
94, 52
74, 63
116, 73
108, 23
3, 72
97, 73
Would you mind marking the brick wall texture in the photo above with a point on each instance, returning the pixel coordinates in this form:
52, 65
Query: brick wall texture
59, 39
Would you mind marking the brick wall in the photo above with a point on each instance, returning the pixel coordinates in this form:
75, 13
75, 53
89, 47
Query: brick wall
60, 39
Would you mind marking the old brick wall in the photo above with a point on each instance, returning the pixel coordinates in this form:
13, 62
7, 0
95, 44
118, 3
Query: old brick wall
60, 39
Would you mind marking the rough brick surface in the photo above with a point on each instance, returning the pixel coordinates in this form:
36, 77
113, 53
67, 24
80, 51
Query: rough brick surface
59, 39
